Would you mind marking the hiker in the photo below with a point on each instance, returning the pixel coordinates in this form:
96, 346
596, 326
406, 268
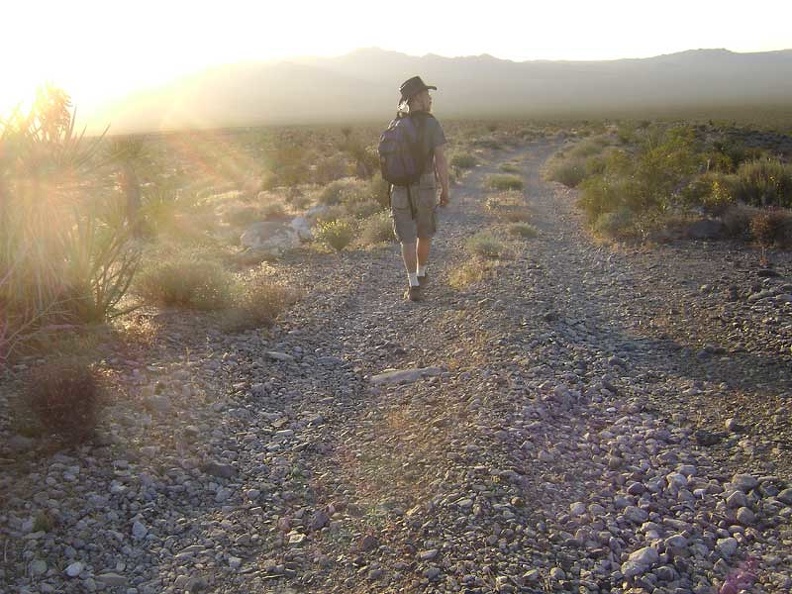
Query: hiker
413, 208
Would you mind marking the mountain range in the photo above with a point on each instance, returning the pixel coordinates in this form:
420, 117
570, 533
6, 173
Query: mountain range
363, 86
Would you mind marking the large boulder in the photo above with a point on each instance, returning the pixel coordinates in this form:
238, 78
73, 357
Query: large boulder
269, 238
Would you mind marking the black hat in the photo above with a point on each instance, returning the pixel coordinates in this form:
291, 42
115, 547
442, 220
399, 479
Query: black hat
413, 86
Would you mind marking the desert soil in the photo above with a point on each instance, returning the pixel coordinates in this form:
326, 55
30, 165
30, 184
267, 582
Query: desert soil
588, 418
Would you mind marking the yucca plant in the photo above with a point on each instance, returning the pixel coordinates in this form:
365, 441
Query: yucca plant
49, 224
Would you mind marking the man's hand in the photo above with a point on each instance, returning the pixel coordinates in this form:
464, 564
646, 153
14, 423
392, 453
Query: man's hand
444, 200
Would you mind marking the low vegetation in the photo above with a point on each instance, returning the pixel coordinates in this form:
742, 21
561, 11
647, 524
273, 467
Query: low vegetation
92, 228
636, 179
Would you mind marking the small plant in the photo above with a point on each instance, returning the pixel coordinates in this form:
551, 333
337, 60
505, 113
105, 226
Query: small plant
186, 282
463, 160
619, 224
510, 168
522, 230
344, 191
472, 271
509, 206
505, 181
65, 396
485, 245
258, 306
377, 229
336, 234
764, 182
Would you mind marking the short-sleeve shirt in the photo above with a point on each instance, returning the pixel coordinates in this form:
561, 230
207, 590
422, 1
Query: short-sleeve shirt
433, 136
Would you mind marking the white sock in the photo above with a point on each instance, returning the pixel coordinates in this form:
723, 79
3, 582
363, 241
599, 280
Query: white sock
413, 279
421, 270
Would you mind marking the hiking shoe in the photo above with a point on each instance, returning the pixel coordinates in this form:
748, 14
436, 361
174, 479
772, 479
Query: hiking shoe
413, 294
423, 280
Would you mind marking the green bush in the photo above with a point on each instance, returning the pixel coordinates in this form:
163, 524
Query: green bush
505, 181
336, 234
65, 396
569, 172
377, 229
620, 224
187, 282
484, 244
764, 182
463, 160
347, 190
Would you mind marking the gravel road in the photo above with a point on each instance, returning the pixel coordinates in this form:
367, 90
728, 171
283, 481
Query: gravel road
587, 419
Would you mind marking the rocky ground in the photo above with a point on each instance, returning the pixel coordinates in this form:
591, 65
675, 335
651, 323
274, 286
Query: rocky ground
588, 419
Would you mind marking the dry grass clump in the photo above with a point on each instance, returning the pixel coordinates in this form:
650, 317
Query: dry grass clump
485, 244
509, 206
504, 181
185, 281
65, 395
472, 271
258, 305
522, 230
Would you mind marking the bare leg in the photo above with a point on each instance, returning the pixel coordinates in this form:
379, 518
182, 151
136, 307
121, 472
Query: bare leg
422, 251
410, 257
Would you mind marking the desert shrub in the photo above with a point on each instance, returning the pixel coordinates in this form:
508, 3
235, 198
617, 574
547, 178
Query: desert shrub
65, 245
257, 306
347, 190
602, 193
569, 172
65, 396
772, 227
508, 206
764, 182
504, 181
379, 190
469, 272
463, 160
186, 282
510, 168
712, 192
522, 230
330, 168
737, 220
486, 245
336, 234
619, 224
377, 229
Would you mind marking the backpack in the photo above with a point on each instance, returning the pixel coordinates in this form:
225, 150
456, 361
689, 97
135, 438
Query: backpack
401, 150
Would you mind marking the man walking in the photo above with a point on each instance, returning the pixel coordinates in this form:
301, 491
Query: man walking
414, 208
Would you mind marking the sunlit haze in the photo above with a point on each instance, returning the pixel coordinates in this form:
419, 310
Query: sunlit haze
96, 50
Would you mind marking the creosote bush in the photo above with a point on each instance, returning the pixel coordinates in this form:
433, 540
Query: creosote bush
65, 395
336, 234
187, 282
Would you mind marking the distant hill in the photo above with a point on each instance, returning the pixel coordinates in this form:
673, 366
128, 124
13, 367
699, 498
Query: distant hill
363, 85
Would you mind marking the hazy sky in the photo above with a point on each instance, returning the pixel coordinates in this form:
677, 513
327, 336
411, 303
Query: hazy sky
100, 48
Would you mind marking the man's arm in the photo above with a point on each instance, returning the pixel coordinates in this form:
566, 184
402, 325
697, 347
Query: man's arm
441, 171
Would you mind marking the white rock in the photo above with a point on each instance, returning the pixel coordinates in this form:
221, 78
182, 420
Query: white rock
74, 569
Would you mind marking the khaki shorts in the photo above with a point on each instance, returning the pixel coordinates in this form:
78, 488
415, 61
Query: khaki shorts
424, 197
